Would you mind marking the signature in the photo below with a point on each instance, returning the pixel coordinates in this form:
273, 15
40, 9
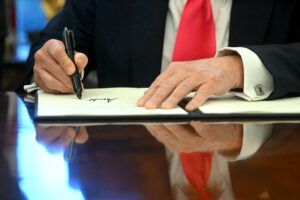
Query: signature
108, 100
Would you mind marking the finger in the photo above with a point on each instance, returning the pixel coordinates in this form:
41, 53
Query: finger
49, 83
151, 90
202, 94
81, 61
161, 133
45, 62
165, 136
155, 130
184, 133
170, 71
156, 84
146, 96
57, 51
66, 137
46, 135
164, 90
183, 89
82, 136
201, 129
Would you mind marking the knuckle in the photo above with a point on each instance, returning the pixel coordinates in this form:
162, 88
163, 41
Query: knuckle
173, 65
36, 69
186, 85
39, 55
66, 62
167, 85
55, 50
204, 92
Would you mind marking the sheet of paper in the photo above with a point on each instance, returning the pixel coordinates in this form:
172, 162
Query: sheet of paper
98, 102
231, 104
116, 102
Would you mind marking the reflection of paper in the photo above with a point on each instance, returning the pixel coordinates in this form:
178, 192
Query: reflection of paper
231, 104
98, 102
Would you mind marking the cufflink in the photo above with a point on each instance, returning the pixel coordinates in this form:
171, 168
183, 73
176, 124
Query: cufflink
259, 90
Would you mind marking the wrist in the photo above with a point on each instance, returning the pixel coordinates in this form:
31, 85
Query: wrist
234, 62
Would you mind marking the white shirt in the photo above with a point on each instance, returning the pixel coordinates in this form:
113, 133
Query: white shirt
254, 135
258, 83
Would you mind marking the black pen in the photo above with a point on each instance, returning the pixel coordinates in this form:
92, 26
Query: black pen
69, 41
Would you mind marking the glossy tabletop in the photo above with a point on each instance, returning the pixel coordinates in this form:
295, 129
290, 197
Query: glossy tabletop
254, 159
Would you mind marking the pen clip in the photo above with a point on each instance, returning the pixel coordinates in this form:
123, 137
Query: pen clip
69, 38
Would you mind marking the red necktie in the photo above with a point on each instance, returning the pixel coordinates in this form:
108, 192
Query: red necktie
196, 32
196, 167
195, 40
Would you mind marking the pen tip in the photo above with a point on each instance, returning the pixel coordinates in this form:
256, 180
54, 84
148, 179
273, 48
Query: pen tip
79, 96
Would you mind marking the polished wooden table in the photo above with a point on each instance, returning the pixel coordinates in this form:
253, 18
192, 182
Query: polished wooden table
247, 159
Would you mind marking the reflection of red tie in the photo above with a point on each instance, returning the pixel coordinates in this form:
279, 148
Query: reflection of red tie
195, 40
196, 32
196, 167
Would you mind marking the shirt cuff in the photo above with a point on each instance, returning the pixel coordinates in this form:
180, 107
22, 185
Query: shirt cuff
31, 87
254, 135
258, 82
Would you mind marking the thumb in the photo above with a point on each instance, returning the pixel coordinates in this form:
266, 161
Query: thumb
81, 61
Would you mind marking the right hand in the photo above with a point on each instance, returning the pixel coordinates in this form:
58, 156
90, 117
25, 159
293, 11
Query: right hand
52, 68
56, 138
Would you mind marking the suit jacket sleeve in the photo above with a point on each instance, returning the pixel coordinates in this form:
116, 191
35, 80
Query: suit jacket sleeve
273, 33
283, 62
77, 15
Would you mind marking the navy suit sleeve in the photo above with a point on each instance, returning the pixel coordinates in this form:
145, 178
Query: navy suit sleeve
273, 33
283, 62
77, 15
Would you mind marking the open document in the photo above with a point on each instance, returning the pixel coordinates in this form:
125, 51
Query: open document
121, 103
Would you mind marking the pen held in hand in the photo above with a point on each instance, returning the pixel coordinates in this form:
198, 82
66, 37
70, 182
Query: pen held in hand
69, 41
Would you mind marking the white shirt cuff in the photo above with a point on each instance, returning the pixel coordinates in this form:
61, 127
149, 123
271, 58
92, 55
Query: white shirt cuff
254, 135
31, 87
258, 82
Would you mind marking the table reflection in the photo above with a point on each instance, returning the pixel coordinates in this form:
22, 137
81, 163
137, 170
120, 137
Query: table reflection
230, 145
244, 160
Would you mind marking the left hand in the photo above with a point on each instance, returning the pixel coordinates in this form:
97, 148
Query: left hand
205, 76
199, 137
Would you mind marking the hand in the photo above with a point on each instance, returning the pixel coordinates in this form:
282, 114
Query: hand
53, 67
55, 138
206, 77
196, 136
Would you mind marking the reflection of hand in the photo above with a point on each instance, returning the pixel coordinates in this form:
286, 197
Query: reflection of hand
196, 136
55, 138
205, 76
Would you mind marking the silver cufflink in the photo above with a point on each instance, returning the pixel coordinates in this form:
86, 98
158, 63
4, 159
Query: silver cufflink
259, 90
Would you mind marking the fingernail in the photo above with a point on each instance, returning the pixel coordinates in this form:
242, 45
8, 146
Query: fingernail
149, 105
166, 105
190, 107
141, 102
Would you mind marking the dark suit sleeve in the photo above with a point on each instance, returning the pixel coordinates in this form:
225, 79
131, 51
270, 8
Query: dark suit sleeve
283, 62
77, 15
271, 29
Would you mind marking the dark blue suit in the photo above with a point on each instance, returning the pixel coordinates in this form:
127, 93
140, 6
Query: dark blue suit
3, 33
124, 39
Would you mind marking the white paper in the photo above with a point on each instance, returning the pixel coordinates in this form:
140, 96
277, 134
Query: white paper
231, 104
99, 102
123, 102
